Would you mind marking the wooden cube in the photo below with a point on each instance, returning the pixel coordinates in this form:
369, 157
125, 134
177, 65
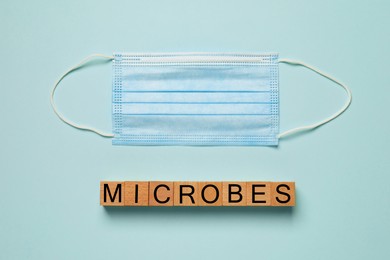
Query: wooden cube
258, 193
111, 193
234, 194
210, 194
161, 193
136, 193
185, 193
283, 194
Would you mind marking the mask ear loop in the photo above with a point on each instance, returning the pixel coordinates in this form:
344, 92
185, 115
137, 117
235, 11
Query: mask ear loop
313, 126
60, 116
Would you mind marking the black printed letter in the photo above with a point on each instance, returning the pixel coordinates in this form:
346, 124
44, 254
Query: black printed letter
283, 193
117, 190
187, 194
216, 194
155, 194
236, 192
257, 193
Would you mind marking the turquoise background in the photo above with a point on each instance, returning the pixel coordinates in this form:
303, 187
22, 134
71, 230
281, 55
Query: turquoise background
50, 173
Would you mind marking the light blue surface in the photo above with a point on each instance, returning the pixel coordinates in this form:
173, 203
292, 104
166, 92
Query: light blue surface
50, 173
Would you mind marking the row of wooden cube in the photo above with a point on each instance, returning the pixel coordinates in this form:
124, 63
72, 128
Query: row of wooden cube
179, 193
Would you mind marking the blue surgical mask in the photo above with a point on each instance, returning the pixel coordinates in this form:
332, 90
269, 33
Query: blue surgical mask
196, 99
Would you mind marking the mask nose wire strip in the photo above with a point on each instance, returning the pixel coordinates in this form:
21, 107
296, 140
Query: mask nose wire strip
60, 116
313, 126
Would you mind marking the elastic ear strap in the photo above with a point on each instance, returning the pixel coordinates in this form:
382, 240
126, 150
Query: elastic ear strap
309, 127
65, 120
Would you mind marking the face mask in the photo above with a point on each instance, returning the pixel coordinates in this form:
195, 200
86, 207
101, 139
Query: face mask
196, 99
